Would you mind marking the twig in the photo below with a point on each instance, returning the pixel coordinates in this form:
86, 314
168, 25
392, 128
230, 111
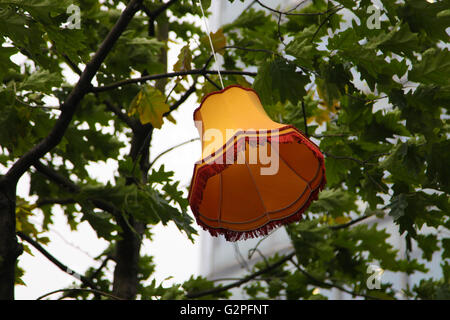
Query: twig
306, 70
170, 149
95, 291
212, 82
280, 36
325, 20
289, 12
154, 14
192, 295
168, 75
55, 261
304, 119
37, 106
183, 98
350, 223
361, 162
47, 201
318, 136
121, 115
91, 277
330, 285
254, 50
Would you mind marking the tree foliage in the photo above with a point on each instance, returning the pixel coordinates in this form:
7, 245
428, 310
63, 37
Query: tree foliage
376, 101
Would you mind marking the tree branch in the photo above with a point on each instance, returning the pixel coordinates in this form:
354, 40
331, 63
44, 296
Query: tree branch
290, 13
168, 75
246, 279
154, 14
328, 284
91, 278
78, 92
350, 223
95, 291
121, 115
44, 202
55, 261
52, 174
333, 11
72, 187
304, 119
170, 149
180, 101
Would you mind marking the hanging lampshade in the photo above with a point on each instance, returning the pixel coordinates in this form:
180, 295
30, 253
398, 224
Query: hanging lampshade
254, 174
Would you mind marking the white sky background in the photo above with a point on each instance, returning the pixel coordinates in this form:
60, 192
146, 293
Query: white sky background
174, 255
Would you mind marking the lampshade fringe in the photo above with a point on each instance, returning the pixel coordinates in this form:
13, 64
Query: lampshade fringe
209, 170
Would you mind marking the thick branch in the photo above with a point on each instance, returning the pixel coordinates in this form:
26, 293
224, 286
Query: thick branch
79, 91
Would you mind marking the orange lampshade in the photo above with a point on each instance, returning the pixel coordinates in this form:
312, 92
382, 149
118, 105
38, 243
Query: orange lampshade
255, 174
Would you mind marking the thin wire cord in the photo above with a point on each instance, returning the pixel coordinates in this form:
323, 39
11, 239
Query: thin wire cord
211, 43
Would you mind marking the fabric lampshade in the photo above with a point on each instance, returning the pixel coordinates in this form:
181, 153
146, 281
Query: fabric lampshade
255, 174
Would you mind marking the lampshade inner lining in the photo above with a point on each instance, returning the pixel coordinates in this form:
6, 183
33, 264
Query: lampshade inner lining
232, 206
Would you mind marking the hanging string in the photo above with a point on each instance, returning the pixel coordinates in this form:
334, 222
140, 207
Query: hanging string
205, 22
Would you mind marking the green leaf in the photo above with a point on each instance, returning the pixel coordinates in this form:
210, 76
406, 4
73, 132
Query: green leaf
406, 163
334, 202
199, 284
399, 39
428, 244
279, 81
434, 68
151, 106
398, 205
302, 49
6, 65
41, 81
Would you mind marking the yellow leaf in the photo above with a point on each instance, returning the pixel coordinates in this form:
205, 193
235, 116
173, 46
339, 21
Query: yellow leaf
184, 60
151, 105
171, 119
27, 249
320, 116
219, 40
341, 220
